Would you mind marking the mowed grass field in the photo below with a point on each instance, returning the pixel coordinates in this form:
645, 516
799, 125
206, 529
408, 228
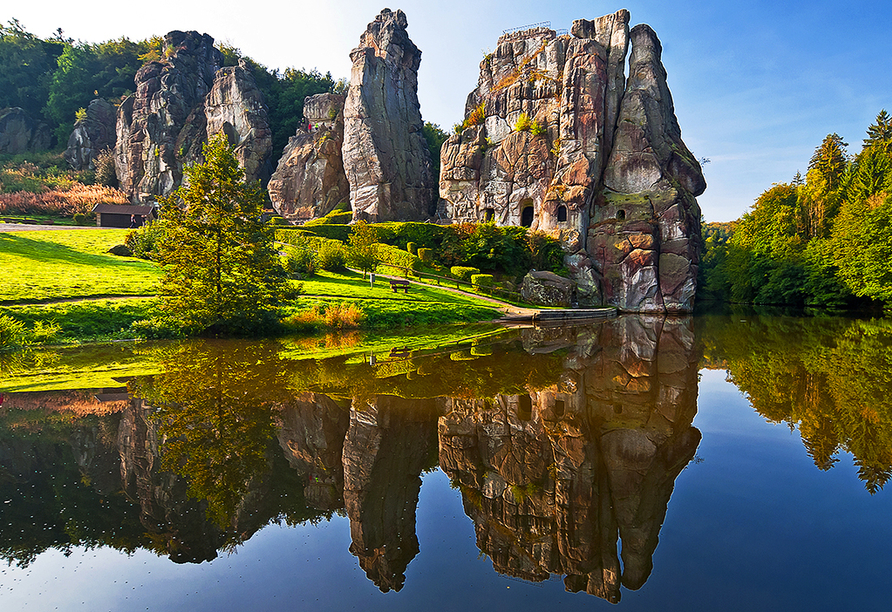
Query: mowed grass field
50, 265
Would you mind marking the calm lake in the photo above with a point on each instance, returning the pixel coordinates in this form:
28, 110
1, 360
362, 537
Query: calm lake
702, 463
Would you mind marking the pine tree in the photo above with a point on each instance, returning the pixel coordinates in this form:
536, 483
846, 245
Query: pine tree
880, 133
222, 272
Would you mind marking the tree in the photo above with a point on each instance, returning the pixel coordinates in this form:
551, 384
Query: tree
363, 247
824, 183
880, 133
221, 271
434, 137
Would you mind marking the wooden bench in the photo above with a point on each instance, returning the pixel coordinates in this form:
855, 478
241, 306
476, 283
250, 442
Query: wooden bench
399, 284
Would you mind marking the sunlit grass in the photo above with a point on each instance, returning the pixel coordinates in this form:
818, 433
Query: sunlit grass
53, 264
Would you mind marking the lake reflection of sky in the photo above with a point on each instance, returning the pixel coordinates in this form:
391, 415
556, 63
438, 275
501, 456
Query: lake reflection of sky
752, 524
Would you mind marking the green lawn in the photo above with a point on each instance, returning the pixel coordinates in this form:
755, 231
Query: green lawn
54, 264
352, 285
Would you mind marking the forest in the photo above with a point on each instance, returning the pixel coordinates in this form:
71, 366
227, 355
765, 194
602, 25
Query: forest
54, 79
823, 240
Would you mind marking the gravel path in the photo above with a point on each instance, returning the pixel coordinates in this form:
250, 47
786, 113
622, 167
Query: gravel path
30, 227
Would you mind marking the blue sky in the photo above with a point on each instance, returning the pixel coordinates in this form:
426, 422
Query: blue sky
756, 85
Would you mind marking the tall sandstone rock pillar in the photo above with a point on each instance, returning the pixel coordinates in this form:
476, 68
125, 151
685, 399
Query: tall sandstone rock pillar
602, 166
385, 154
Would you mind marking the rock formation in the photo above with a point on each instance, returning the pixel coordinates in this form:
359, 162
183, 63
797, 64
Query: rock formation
557, 139
385, 154
310, 180
91, 135
179, 103
555, 478
19, 133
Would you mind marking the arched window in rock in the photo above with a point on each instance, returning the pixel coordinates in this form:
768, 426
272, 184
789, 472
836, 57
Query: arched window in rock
620, 215
489, 214
562, 214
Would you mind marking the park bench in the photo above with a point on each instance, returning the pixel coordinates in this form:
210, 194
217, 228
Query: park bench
399, 284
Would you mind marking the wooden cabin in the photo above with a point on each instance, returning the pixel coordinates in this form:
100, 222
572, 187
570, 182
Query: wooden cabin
120, 215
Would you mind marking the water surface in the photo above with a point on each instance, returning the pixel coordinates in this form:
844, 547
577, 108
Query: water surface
731, 463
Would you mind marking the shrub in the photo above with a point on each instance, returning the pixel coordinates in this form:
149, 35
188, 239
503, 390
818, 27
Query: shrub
523, 123
332, 257
333, 232
300, 262
278, 221
426, 255
412, 248
335, 217
105, 168
12, 333
481, 281
537, 129
463, 272
397, 257
142, 241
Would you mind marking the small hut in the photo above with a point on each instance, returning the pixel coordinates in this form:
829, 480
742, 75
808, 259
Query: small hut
119, 215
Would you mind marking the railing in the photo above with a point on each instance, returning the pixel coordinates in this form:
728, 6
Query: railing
541, 24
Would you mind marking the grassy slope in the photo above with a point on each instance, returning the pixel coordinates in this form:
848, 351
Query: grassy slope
47, 265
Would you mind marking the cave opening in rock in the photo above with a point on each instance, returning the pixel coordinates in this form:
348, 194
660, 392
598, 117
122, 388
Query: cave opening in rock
620, 215
526, 213
562, 214
488, 214
559, 408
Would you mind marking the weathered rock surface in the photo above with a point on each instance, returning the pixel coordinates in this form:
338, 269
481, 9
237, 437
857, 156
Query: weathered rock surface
548, 289
179, 103
602, 166
310, 180
556, 478
93, 134
385, 154
19, 133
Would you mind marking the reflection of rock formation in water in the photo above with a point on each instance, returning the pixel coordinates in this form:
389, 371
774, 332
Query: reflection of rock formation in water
552, 479
312, 436
389, 442
165, 508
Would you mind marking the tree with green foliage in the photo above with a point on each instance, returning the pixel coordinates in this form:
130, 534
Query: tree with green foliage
824, 185
221, 270
880, 133
26, 64
434, 137
363, 247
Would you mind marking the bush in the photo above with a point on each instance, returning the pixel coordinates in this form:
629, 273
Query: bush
142, 241
524, 123
12, 333
481, 281
300, 262
332, 257
335, 217
105, 169
396, 257
278, 221
412, 248
340, 233
426, 255
463, 272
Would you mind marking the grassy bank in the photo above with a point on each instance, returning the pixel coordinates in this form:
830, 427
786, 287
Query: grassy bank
55, 281
61, 264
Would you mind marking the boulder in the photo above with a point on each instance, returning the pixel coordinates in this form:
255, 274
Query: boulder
548, 289
91, 135
556, 138
309, 180
385, 155
19, 133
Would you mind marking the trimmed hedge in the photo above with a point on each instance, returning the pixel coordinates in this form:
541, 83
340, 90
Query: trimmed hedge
481, 280
335, 217
412, 248
463, 272
388, 254
426, 255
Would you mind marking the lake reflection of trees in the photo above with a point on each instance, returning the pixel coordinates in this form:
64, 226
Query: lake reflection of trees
564, 443
830, 377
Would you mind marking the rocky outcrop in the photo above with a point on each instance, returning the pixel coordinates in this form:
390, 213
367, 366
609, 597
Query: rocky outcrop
548, 289
19, 133
385, 154
91, 135
557, 139
179, 103
310, 180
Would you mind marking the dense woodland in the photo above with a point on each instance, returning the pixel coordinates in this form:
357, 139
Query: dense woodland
824, 240
52, 79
